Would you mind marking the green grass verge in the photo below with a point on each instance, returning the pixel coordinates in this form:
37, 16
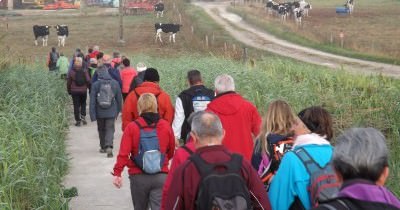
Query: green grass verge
32, 132
280, 31
353, 100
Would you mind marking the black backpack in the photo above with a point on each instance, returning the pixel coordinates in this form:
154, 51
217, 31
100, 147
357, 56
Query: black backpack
80, 78
105, 96
53, 57
221, 189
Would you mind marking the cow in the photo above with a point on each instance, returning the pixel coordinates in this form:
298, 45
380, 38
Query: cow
307, 8
270, 6
170, 28
350, 6
41, 31
298, 15
62, 34
159, 9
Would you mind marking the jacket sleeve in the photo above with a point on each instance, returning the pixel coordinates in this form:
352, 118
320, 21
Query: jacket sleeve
69, 82
128, 110
258, 193
118, 99
94, 78
174, 195
92, 104
169, 109
256, 122
124, 150
179, 117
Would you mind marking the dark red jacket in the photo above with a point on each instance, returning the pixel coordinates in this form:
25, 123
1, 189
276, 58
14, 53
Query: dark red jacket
185, 181
130, 146
71, 85
240, 120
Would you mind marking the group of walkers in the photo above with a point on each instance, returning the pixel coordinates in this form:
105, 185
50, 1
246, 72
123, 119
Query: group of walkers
213, 150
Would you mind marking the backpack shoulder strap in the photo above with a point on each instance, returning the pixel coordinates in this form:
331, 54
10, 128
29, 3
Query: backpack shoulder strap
138, 124
187, 149
202, 166
307, 160
235, 164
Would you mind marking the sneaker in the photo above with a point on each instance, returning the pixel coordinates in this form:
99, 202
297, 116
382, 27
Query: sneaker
77, 124
83, 120
109, 152
101, 150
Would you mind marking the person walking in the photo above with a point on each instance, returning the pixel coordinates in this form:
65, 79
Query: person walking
78, 82
239, 117
52, 59
114, 73
149, 128
193, 99
150, 85
62, 66
196, 187
105, 105
127, 74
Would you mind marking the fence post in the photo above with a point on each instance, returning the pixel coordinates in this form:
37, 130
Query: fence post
206, 41
244, 55
180, 18
192, 28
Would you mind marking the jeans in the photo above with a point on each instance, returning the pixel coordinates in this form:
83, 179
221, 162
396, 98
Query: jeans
79, 101
106, 129
146, 190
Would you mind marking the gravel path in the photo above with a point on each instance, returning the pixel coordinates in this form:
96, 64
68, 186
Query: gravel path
259, 39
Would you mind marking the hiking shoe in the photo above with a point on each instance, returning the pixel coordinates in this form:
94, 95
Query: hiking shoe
109, 152
83, 120
77, 124
101, 150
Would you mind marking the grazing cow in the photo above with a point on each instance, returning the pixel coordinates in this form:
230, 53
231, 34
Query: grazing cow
307, 8
350, 6
41, 31
170, 28
283, 11
62, 33
298, 15
159, 9
271, 6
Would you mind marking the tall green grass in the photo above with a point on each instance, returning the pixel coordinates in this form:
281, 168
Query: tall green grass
32, 132
353, 100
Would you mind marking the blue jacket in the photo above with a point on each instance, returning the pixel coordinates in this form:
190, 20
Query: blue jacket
114, 73
292, 178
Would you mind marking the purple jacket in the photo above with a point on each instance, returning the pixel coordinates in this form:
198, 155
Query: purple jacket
71, 85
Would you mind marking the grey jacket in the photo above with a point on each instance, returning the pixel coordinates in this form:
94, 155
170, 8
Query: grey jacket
95, 110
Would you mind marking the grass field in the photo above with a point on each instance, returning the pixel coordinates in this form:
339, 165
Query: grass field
370, 33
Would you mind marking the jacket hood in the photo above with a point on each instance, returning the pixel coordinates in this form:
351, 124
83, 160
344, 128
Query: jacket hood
148, 87
311, 138
368, 191
226, 103
103, 74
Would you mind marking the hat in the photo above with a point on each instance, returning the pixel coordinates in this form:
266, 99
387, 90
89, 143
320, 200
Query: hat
93, 61
106, 58
151, 75
141, 67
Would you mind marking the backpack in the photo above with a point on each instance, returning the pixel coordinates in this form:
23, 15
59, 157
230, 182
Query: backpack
149, 157
53, 57
221, 189
323, 182
80, 78
106, 95
200, 101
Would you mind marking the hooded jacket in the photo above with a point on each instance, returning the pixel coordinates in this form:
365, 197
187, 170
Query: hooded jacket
71, 85
165, 108
114, 73
95, 110
359, 194
62, 64
127, 75
240, 120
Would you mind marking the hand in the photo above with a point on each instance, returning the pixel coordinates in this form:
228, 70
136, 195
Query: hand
117, 181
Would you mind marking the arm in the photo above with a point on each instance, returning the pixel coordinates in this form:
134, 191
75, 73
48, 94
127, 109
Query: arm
128, 109
174, 195
256, 122
124, 150
169, 109
69, 82
178, 118
118, 98
92, 105
256, 187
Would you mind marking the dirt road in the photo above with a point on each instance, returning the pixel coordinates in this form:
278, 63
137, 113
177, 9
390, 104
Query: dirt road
259, 39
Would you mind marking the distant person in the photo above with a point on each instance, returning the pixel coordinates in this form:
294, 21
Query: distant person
62, 66
150, 85
116, 61
114, 73
190, 100
146, 177
92, 66
52, 59
138, 80
127, 74
105, 105
239, 117
361, 162
95, 51
290, 187
275, 139
195, 184
78, 83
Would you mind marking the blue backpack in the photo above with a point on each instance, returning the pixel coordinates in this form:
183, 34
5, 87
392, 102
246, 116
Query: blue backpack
149, 157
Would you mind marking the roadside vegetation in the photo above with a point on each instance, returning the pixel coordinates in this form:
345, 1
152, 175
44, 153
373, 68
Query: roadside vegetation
32, 149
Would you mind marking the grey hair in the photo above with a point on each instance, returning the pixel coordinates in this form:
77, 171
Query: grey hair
206, 125
224, 83
361, 153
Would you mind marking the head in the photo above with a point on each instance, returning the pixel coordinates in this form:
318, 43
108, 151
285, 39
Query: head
116, 55
90, 50
151, 75
224, 83
279, 119
96, 48
194, 77
106, 59
141, 67
361, 153
99, 55
126, 62
53, 49
206, 129
147, 103
78, 62
317, 120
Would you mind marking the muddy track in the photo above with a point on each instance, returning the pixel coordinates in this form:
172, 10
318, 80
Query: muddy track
259, 39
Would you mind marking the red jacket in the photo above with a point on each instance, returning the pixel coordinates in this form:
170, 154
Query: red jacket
240, 120
181, 155
186, 181
165, 108
130, 146
127, 74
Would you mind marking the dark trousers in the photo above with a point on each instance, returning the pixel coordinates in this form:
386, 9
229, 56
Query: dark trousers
79, 101
146, 190
106, 129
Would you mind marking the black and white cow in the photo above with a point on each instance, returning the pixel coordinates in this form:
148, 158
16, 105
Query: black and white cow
62, 34
350, 6
298, 15
168, 28
159, 9
41, 31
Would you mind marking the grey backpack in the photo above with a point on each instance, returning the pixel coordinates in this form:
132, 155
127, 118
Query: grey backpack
106, 95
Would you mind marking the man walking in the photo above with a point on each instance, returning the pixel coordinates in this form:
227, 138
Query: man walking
239, 117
